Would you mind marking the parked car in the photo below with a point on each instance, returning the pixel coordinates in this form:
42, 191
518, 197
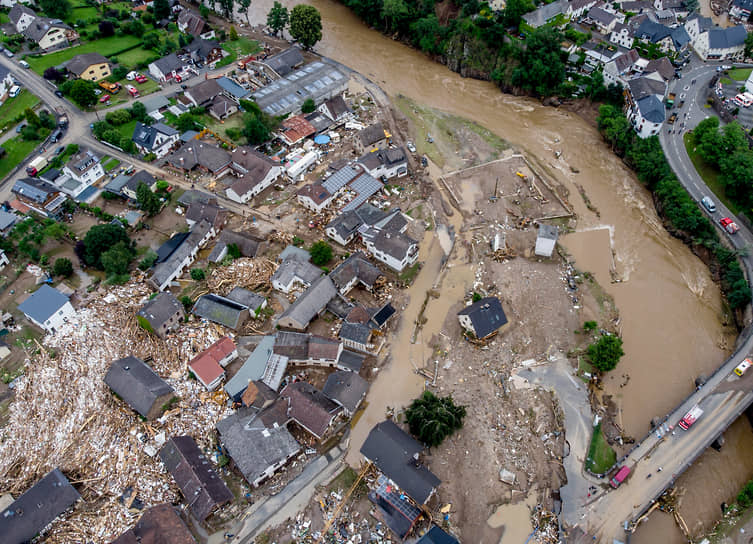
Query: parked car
59, 93
24, 64
105, 98
141, 78
20, 127
8, 53
97, 92
729, 225
184, 86
59, 150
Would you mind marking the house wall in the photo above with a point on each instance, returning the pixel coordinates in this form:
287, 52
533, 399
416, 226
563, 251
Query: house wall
5, 86
25, 20
55, 37
392, 262
92, 175
57, 319
290, 323
170, 324
214, 384
3, 259
332, 233
156, 410
228, 358
95, 72
621, 38
396, 170
355, 345
163, 144
268, 180
270, 470
309, 204
642, 127
544, 247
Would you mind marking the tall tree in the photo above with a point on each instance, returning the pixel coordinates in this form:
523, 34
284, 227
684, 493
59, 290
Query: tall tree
56, 9
115, 260
82, 93
395, 14
161, 9
53, 74
605, 353
514, 11
432, 419
255, 131
99, 239
277, 18
245, 4
542, 67
228, 8
306, 25
749, 45
148, 201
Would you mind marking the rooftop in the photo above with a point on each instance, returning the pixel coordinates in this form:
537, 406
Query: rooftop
316, 81
486, 316
43, 303
219, 309
136, 383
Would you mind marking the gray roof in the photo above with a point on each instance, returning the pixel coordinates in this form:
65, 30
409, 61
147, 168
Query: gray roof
165, 269
393, 451
546, 12
220, 310
309, 407
195, 153
743, 4
435, 535
160, 309
395, 244
30, 513
336, 106
285, 61
600, 15
486, 316
18, 10
201, 47
680, 37
210, 212
142, 176
253, 447
290, 269
371, 134
311, 301
355, 332
652, 31
247, 298
704, 23
725, 38
159, 524
204, 91
341, 178
7, 219
347, 223
169, 63
365, 187
43, 303
550, 232
193, 195
294, 345
387, 157
641, 87
145, 135
200, 485
358, 267
351, 360
34, 189
317, 80
252, 369
651, 109
155, 102
232, 88
117, 184
136, 383
81, 62
40, 26
248, 245
294, 253
346, 388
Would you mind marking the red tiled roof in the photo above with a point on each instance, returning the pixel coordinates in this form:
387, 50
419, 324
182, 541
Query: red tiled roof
19, 206
296, 128
206, 368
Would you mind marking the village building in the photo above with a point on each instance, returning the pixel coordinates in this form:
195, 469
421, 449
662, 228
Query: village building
139, 386
546, 13
27, 517
157, 138
6, 83
483, 318
218, 309
161, 314
695, 25
309, 304
21, 16
285, 61
180, 254
372, 137
206, 51
645, 109
347, 389
49, 34
210, 212
257, 172
345, 227
252, 369
202, 94
159, 524
292, 272
309, 408
47, 308
167, 67
392, 247
249, 245
308, 349
89, 66
85, 167
721, 43
253, 302
336, 110
201, 156
546, 240
385, 163
39, 196
232, 90
436, 535
353, 271
202, 488
356, 336
131, 187
190, 22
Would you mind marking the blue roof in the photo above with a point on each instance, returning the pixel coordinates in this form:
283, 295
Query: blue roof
87, 193
724, 38
233, 88
252, 369
651, 109
43, 303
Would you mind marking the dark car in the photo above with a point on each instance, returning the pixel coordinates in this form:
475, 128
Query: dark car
184, 86
20, 127
60, 150
59, 93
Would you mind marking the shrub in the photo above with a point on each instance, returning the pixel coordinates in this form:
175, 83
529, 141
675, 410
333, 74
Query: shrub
198, 274
62, 267
606, 352
432, 419
321, 253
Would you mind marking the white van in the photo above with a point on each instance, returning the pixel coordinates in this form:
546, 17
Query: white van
24, 64
13, 93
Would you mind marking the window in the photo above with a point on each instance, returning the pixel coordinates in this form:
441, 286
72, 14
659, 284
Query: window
60, 312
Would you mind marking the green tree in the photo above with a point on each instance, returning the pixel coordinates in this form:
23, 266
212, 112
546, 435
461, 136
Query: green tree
150, 257
245, 4
150, 41
198, 274
277, 18
255, 131
431, 419
138, 112
62, 267
29, 133
55, 9
185, 122
99, 239
115, 260
605, 353
736, 173
749, 45
148, 201
395, 13
233, 35
187, 302
542, 67
233, 251
204, 12
428, 34
118, 117
308, 105
321, 253
47, 120
161, 9
306, 25
514, 11
227, 7
134, 28
708, 140
82, 93
32, 118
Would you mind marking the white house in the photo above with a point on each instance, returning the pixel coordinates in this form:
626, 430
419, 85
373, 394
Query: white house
182, 256
387, 163
314, 197
621, 35
696, 25
166, 67
257, 172
85, 167
546, 240
721, 43
157, 138
21, 16
47, 308
749, 83
616, 70
3, 259
646, 111
6, 82
394, 248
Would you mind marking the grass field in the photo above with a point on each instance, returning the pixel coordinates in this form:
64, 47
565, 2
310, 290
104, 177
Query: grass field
133, 57
4, 18
240, 47
17, 151
14, 107
600, 455
85, 13
105, 46
111, 164
740, 74
708, 173
127, 129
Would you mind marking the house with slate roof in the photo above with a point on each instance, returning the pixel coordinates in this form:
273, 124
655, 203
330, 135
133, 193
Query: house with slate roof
158, 138
645, 109
180, 254
21, 16
47, 308
139, 386
344, 228
372, 137
385, 163
483, 318
29, 514
252, 369
202, 488
618, 70
317, 80
248, 245
309, 304
131, 187
190, 22
201, 156
695, 25
89, 66
85, 167
49, 34
546, 240
396, 454
256, 172
285, 61
392, 247
161, 314
294, 271
159, 524
347, 389
546, 13
310, 408
721, 43
40, 197
202, 94
353, 271
337, 110
741, 10
6, 83
167, 67
218, 309
206, 51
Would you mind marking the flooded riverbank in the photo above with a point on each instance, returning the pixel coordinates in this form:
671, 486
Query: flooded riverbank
670, 310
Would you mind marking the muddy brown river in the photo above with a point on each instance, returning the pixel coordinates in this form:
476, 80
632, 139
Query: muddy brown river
670, 310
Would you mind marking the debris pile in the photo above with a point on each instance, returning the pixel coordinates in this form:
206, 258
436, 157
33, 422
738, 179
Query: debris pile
65, 416
247, 273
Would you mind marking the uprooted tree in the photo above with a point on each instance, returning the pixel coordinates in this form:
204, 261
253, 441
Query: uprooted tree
432, 419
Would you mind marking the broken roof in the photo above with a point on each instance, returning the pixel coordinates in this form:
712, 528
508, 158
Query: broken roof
436, 535
372, 134
285, 61
309, 407
160, 309
248, 244
290, 270
200, 485
294, 253
346, 388
356, 267
351, 360
252, 369
249, 299
30, 513
136, 383
311, 301
219, 309
395, 454
183, 250
158, 525
486, 316
196, 153
355, 332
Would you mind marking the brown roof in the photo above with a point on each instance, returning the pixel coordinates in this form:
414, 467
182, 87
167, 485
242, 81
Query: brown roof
663, 66
314, 191
204, 91
158, 525
358, 315
275, 414
309, 407
258, 394
296, 128
323, 348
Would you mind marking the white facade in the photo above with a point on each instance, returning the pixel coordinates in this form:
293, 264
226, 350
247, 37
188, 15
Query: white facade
24, 21
90, 176
247, 195
643, 127
309, 203
163, 143
54, 37
5, 86
57, 319
397, 264
706, 52
3, 259
749, 83
621, 36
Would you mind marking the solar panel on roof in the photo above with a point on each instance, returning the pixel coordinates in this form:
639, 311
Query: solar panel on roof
327, 80
337, 75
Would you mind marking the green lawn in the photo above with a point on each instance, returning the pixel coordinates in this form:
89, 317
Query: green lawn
85, 13
17, 151
601, 456
241, 47
740, 74
4, 18
105, 46
133, 57
111, 164
127, 129
15, 107
708, 173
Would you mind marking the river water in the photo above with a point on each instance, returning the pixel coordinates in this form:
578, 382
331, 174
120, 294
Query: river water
670, 310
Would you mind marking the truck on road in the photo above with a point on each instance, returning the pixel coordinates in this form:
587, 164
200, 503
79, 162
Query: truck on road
670, 102
619, 477
691, 417
36, 166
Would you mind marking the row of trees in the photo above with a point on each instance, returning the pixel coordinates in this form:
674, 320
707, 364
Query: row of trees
727, 150
109, 248
108, 131
682, 214
304, 23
